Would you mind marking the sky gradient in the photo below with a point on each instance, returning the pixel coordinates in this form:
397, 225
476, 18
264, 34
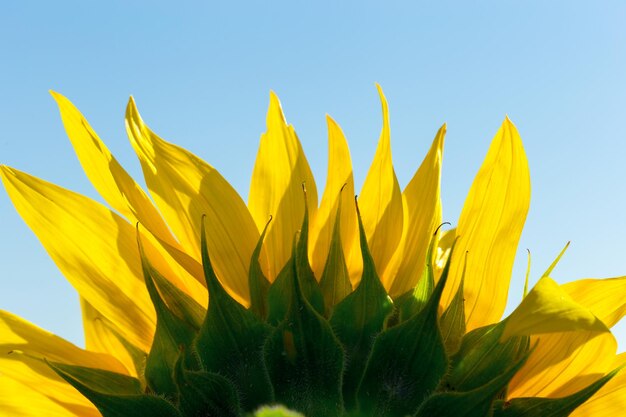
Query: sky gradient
201, 76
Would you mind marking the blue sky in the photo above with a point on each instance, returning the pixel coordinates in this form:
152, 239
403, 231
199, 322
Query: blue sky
201, 75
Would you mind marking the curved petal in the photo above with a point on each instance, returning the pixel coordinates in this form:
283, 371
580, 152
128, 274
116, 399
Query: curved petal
380, 201
113, 183
549, 309
22, 348
94, 248
279, 171
610, 400
564, 363
606, 298
489, 228
185, 188
422, 215
339, 185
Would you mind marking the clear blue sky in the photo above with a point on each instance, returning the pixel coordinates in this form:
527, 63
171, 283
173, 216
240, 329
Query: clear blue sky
201, 76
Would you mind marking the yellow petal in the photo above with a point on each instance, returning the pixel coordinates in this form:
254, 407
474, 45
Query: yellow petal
94, 248
380, 202
422, 214
23, 345
339, 185
184, 188
606, 298
21, 400
113, 183
610, 400
444, 247
489, 228
564, 363
549, 309
100, 337
279, 171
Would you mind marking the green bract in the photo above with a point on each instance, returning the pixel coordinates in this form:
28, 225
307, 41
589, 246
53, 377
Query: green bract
318, 350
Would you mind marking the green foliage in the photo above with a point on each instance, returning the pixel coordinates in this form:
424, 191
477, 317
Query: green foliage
321, 350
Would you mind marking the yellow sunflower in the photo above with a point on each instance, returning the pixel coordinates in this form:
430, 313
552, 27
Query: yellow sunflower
331, 309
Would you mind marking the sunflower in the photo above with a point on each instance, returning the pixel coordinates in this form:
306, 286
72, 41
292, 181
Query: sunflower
342, 308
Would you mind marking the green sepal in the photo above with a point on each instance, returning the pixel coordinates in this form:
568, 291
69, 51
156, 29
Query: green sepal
306, 278
182, 305
257, 281
482, 356
549, 407
406, 364
474, 403
230, 341
304, 358
276, 411
280, 290
204, 393
452, 321
171, 332
358, 319
335, 282
114, 395
413, 301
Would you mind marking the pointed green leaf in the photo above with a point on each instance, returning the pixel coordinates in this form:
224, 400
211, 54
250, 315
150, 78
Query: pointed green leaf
230, 341
304, 358
452, 321
306, 278
335, 282
171, 332
205, 393
406, 364
481, 357
413, 301
114, 395
475, 403
279, 294
257, 281
182, 305
358, 319
280, 291
549, 407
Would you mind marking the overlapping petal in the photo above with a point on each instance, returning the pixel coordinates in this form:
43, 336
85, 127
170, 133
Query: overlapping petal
380, 201
185, 188
606, 298
279, 171
113, 183
22, 350
610, 401
339, 186
489, 228
422, 214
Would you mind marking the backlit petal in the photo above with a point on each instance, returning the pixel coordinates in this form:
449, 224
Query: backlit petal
610, 400
100, 337
14, 395
279, 171
549, 309
606, 298
380, 201
339, 184
489, 229
23, 345
185, 188
94, 248
422, 215
563, 363
113, 183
